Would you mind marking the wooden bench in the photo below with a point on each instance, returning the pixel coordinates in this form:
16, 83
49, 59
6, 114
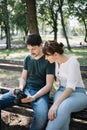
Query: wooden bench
78, 119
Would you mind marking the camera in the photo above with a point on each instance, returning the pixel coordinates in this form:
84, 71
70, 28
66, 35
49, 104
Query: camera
18, 96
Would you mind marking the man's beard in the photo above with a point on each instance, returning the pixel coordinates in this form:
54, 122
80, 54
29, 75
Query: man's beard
35, 55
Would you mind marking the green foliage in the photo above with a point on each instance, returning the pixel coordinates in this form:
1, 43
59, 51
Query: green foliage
48, 14
19, 16
78, 8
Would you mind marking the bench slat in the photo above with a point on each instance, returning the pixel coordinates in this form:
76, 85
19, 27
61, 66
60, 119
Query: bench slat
80, 115
14, 62
11, 67
83, 68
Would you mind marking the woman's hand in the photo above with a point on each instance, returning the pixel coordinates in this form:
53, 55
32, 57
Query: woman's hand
52, 112
28, 99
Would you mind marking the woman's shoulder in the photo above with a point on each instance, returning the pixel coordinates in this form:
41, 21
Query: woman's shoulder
73, 60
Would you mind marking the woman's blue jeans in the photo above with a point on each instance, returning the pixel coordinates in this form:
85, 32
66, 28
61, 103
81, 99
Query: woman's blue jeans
40, 107
75, 102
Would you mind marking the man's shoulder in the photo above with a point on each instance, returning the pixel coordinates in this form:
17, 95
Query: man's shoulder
29, 57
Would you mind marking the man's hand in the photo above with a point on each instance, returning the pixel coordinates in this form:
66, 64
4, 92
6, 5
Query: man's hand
28, 99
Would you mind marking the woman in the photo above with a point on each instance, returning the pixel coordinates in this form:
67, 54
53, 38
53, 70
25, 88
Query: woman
71, 95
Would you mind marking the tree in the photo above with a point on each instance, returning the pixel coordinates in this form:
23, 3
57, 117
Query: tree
78, 8
48, 12
32, 16
6, 23
1, 20
19, 19
51, 12
62, 22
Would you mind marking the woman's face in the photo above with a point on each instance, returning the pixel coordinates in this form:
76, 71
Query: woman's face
50, 57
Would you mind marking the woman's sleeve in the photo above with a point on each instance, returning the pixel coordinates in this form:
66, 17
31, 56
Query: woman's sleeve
73, 74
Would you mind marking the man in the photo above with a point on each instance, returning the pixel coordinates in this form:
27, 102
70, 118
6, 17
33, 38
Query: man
36, 82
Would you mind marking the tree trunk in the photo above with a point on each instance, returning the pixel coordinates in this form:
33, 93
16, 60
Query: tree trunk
55, 30
62, 21
32, 17
63, 25
85, 36
6, 22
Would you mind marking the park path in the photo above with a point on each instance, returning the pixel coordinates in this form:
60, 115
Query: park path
73, 43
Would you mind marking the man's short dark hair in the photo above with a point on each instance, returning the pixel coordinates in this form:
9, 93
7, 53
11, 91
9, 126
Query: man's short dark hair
34, 39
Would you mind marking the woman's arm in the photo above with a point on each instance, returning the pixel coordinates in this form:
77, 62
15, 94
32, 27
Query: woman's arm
54, 107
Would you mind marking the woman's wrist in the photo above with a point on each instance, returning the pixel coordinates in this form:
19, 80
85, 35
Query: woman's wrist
34, 98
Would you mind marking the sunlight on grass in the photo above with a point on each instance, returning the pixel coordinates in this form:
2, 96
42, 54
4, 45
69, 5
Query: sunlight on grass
14, 54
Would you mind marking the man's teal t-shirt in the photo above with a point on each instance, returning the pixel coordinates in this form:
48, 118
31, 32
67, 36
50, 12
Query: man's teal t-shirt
37, 71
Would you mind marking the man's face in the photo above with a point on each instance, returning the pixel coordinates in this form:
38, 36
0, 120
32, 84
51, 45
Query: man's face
35, 51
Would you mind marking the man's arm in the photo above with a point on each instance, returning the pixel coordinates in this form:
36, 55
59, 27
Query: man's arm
23, 79
47, 87
42, 91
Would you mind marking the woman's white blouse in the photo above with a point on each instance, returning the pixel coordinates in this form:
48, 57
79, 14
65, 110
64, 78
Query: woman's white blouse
69, 74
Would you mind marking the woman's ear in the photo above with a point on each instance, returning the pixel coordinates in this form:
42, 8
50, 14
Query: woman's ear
55, 54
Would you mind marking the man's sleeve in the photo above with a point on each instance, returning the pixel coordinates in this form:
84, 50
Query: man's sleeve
50, 68
25, 63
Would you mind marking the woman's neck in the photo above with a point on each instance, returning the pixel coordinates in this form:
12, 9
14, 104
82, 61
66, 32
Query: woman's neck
61, 59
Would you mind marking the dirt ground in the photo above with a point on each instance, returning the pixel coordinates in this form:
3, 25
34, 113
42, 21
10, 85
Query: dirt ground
11, 121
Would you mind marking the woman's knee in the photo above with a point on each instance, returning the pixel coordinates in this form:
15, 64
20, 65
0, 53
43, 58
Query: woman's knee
64, 111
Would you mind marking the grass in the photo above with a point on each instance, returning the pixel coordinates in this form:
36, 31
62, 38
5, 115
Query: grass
14, 54
19, 54
11, 78
80, 53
